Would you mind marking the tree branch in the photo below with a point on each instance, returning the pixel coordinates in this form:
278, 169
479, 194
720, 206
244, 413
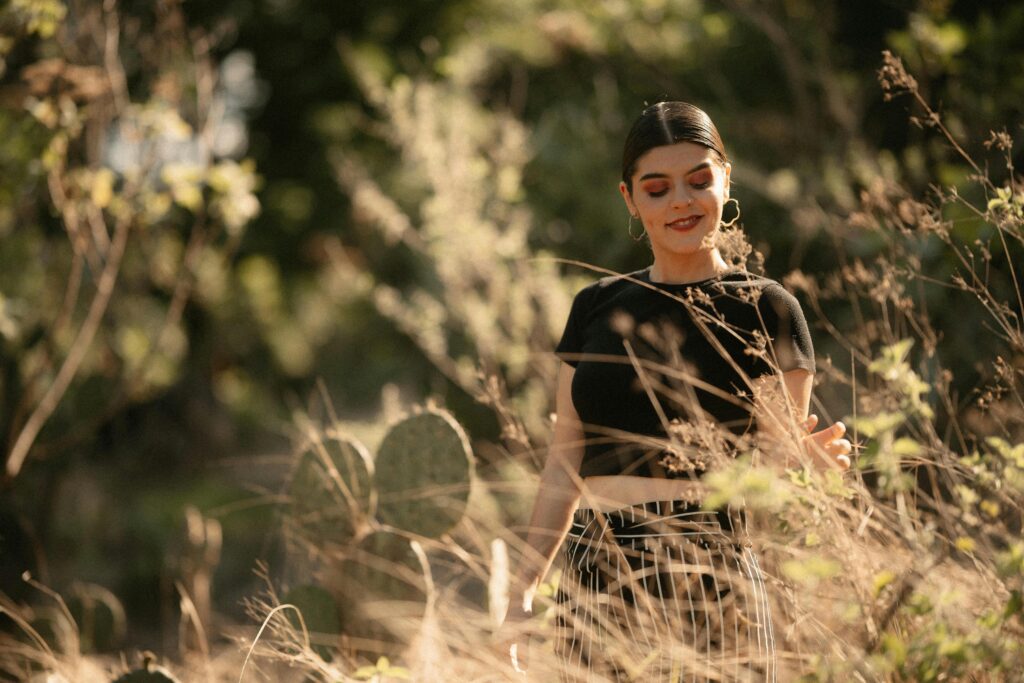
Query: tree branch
43, 411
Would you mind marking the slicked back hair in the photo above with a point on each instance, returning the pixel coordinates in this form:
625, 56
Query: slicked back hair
666, 123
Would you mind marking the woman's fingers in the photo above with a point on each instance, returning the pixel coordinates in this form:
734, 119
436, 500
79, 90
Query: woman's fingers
836, 430
829, 434
836, 447
839, 447
829, 445
811, 422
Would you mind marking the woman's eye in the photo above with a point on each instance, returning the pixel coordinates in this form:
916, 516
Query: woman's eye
657, 193
700, 181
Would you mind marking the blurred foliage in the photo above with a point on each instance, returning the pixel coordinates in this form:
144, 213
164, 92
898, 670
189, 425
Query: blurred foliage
208, 208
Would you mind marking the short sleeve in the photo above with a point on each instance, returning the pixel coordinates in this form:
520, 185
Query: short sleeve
785, 323
571, 344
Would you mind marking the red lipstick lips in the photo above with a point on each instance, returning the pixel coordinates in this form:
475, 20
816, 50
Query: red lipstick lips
684, 224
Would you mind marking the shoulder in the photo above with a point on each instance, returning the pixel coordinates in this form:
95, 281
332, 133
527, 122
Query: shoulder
609, 286
746, 279
780, 299
766, 291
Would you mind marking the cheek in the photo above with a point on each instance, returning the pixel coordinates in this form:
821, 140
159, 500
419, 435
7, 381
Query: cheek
715, 200
649, 205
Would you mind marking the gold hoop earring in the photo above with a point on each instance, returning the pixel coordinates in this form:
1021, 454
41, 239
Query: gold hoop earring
629, 229
737, 217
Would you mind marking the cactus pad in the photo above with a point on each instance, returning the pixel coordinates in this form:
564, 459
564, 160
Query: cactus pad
383, 580
330, 489
423, 473
320, 615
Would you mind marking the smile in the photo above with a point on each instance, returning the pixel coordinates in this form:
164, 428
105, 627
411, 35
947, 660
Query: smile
684, 224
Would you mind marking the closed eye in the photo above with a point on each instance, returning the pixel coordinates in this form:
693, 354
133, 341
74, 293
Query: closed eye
701, 180
656, 188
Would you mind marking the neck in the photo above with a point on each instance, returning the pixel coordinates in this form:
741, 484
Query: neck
681, 268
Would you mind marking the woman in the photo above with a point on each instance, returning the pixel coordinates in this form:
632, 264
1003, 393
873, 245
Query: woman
663, 370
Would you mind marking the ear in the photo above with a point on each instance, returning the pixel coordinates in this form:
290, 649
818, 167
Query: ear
728, 174
628, 198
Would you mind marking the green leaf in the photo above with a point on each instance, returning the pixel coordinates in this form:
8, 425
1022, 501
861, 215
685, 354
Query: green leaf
1009, 452
881, 580
990, 507
894, 648
742, 484
811, 570
836, 486
905, 446
800, 477
892, 356
1014, 605
920, 604
965, 544
967, 495
880, 423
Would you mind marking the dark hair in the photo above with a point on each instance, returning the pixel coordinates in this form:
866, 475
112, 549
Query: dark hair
667, 123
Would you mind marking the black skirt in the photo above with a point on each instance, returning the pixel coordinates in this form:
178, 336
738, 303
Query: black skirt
662, 591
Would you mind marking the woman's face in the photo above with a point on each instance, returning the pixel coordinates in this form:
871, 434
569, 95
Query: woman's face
678, 193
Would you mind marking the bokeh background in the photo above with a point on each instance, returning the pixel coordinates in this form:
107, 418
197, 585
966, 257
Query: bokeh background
224, 224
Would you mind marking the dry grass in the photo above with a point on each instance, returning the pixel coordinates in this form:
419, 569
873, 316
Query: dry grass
908, 568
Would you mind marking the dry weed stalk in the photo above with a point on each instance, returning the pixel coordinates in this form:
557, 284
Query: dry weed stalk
909, 568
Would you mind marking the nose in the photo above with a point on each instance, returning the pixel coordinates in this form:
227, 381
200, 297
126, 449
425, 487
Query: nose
682, 197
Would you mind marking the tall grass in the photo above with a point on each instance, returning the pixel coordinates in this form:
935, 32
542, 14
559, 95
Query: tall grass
908, 568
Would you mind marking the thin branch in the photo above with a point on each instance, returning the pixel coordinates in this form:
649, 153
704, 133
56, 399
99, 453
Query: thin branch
111, 58
81, 345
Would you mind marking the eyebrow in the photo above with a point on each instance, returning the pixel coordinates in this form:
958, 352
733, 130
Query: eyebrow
698, 167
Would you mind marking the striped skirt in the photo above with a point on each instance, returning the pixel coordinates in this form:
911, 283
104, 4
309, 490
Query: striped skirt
661, 591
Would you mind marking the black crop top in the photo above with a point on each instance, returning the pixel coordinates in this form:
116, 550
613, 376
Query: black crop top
695, 343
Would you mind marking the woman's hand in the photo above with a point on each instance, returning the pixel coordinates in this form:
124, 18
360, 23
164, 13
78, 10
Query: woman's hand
827, 444
514, 639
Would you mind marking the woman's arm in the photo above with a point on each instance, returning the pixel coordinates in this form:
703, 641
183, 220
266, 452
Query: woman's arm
557, 497
781, 410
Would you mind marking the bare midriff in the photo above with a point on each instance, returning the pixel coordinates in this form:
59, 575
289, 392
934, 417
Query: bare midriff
616, 491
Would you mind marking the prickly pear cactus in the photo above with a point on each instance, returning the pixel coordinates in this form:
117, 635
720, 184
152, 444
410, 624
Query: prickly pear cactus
423, 473
320, 615
331, 490
382, 580
101, 620
418, 485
